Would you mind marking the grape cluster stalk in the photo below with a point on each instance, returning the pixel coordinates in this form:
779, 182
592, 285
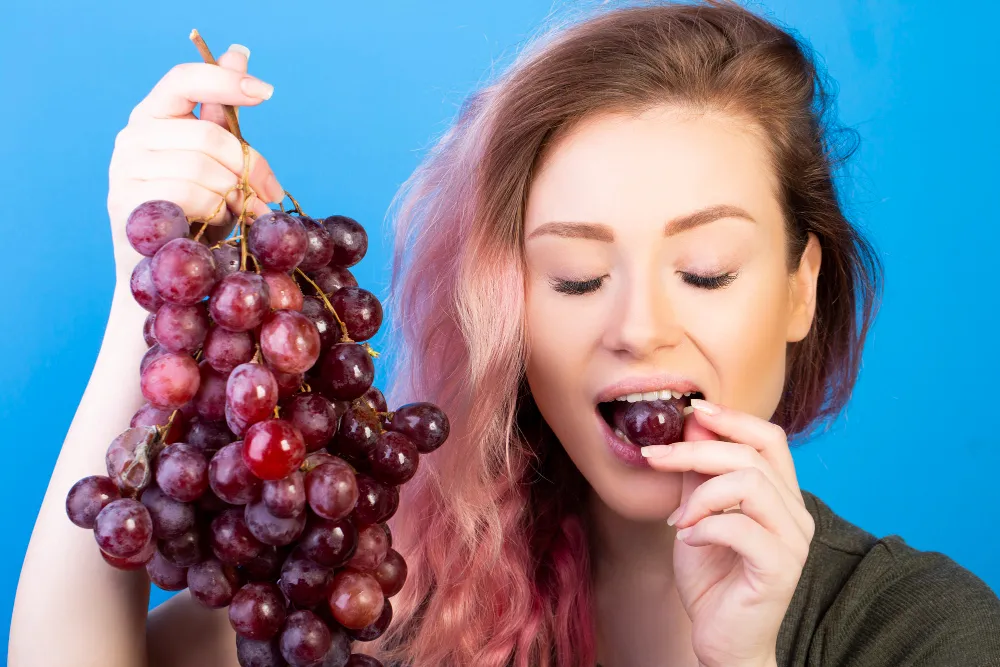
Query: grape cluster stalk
262, 470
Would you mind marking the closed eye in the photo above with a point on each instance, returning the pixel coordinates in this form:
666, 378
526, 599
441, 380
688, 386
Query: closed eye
709, 282
577, 287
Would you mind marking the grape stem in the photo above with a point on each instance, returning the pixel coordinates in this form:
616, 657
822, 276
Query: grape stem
229, 111
297, 209
344, 338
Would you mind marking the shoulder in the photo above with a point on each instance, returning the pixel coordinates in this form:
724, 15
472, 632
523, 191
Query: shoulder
864, 600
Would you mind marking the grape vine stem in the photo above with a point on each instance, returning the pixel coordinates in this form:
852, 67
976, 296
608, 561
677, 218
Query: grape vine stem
229, 111
345, 338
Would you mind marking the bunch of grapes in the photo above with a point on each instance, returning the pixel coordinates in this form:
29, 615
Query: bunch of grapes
262, 469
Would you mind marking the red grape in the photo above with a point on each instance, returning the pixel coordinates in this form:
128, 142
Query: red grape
184, 550
375, 400
229, 476
285, 292
209, 437
210, 401
278, 240
152, 224
171, 380
322, 319
289, 341
360, 311
350, 241
362, 660
286, 497
166, 575
240, 301
373, 545
135, 562
212, 583
653, 422
231, 540
182, 472
424, 424
171, 518
143, 290
227, 260
316, 417
340, 648
147, 330
251, 393
88, 497
183, 271
151, 355
305, 639
329, 543
181, 328
271, 529
257, 611
266, 566
329, 279
224, 350
150, 415
273, 448
332, 490
127, 459
347, 371
391, 573
320, 248
376, 629
356, 599
123, 528
372, 499
394, 458
305, 582
288, 383
254, 653
358, 433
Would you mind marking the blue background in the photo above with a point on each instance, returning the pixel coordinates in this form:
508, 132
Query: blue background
362, 89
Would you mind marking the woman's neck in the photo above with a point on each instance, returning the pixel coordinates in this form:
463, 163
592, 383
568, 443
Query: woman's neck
639, 616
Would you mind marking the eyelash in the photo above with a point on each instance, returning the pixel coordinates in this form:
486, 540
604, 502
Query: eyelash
579, 287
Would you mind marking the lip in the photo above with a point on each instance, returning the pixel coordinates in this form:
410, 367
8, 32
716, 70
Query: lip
639, 384
627, 454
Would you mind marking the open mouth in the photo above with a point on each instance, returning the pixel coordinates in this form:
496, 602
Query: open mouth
651, 418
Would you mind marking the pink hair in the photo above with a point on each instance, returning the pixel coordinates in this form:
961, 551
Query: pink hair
492, 527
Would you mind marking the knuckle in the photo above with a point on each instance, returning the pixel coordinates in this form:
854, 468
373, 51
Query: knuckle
777, 432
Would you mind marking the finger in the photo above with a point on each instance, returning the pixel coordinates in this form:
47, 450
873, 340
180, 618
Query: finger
764, 554
764, 436
186, 166
188, 84
234, 59
196, 200
755, 495
183, 134
712, 457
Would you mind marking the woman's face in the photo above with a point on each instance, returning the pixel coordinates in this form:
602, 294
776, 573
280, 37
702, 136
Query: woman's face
656, 259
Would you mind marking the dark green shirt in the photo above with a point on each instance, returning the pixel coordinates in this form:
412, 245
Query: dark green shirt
869, 602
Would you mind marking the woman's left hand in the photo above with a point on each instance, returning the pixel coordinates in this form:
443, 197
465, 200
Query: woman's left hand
736, 571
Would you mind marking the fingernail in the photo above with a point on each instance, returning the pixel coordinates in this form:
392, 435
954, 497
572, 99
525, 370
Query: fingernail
254, 87
683, 533
274, 190
704, 406
673, 518
239, 48
654, 451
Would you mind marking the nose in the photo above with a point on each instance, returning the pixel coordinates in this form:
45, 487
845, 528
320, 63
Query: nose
644, 320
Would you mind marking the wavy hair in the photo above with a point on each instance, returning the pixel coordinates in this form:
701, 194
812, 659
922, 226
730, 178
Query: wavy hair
491, 526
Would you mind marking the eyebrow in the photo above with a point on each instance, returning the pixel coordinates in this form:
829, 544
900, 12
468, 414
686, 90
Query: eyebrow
600, 232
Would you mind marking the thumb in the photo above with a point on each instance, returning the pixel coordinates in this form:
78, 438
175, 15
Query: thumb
234, 59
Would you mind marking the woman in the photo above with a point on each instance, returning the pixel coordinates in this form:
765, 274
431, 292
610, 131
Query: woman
642, 204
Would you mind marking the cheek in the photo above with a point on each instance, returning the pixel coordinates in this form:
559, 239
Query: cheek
743, 337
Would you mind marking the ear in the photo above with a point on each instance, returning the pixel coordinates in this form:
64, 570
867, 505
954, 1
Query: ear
802, 287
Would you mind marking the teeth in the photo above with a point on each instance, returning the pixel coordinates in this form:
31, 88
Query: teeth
621, 398
676, 394
662, 395
621, 435
633, 398
687, 410
650, 395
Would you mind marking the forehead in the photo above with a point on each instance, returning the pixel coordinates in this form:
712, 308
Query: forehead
665, 162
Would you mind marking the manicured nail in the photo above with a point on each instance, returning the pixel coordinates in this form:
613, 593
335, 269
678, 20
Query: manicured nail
654, 451
254, 87
673, 518
704, 406
239, 48
683, 533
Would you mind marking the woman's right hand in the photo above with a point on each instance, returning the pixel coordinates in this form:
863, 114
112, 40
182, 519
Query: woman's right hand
166, 152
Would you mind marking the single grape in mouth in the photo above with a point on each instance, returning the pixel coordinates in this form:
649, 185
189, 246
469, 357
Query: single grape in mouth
645, 423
